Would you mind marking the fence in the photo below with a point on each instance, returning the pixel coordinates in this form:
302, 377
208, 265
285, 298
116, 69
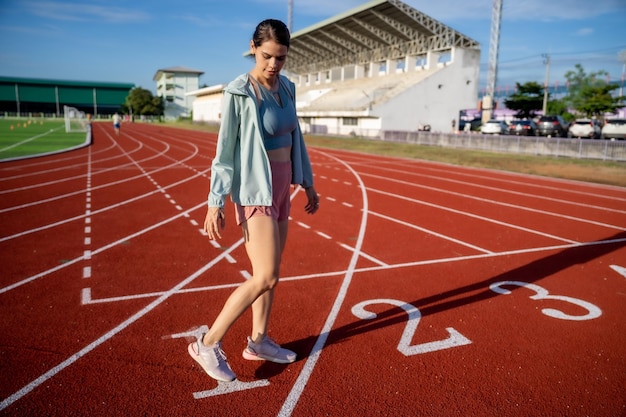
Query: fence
608, 150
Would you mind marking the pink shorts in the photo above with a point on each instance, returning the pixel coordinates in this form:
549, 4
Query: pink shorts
281, 202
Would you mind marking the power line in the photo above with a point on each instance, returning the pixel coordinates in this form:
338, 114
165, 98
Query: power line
575, 53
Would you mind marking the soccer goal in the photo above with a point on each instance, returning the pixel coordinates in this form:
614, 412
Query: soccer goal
75, 120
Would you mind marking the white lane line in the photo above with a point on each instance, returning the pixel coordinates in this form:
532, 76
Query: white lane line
87, 230
29, 139
500, 203
364, 255
88, 254
324, 235
113, 332
531, 183
296, 392
430, 232
102, 210
475, 216
87, 299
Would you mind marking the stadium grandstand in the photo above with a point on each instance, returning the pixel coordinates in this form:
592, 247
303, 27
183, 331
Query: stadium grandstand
378, 67
23, 96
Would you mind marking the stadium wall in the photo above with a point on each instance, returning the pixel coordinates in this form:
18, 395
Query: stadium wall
437, 100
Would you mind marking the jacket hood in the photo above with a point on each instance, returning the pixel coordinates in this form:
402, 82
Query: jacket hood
239, 85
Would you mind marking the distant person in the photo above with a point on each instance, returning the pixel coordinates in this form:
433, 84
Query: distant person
259, 126
117, 122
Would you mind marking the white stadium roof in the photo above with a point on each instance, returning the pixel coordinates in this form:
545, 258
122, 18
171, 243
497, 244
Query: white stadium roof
376, 31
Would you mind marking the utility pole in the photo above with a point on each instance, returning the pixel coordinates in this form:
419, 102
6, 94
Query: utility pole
546, 61
492, 70
621, 56
290, 15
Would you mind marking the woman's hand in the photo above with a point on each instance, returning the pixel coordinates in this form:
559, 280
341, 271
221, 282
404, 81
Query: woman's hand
313, 200
214, 221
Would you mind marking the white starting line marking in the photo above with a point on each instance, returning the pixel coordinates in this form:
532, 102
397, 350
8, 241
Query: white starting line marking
619, 269
230, 387
197, 333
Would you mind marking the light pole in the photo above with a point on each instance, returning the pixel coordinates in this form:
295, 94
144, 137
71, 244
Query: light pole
621, 56
546, 61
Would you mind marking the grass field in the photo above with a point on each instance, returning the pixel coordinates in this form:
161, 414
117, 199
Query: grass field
601, 172
26, 137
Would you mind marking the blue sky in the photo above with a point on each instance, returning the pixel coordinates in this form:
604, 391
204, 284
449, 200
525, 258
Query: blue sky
128, 41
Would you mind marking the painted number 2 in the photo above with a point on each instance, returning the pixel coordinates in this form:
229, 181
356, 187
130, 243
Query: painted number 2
543, 294
405, 347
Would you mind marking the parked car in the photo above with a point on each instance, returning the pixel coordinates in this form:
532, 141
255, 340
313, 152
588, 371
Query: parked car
494, 127
552, 126
522, 128
469, 125
614, 129
585, 128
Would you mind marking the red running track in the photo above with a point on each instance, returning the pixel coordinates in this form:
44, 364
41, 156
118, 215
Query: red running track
418, 289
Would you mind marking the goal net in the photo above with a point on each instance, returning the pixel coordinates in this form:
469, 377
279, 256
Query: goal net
75, 120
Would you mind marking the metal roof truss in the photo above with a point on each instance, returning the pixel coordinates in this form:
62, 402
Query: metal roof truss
386, 30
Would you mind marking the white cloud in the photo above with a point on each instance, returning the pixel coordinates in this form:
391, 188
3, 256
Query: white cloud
322, 8
584, 31
79, 12
43, 30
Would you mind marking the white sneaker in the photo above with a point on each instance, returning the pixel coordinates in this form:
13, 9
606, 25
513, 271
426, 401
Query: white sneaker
212, 359
268, 350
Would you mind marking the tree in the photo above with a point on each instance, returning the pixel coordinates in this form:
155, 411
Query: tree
590, 94
527, 100
559, 108
141, 102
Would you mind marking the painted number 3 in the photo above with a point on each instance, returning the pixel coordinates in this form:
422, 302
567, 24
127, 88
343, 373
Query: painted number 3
543, 294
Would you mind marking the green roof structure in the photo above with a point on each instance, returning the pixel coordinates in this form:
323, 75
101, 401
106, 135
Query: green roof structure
33, 95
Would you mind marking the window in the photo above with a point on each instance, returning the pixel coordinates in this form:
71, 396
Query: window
350, 121
421, 61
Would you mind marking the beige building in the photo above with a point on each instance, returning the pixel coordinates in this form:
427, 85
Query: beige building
207, 104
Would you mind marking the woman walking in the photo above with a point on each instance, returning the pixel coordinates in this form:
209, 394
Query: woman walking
260, 153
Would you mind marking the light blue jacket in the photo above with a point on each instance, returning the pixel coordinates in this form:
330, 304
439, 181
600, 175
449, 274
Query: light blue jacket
241, 166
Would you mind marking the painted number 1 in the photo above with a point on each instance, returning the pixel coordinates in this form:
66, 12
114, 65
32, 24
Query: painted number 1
405, 347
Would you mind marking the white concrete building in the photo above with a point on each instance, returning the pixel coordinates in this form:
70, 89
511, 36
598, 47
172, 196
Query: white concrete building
382, 66
172, 84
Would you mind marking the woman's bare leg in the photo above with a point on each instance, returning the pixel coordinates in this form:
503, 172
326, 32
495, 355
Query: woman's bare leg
263, 245
262, 307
